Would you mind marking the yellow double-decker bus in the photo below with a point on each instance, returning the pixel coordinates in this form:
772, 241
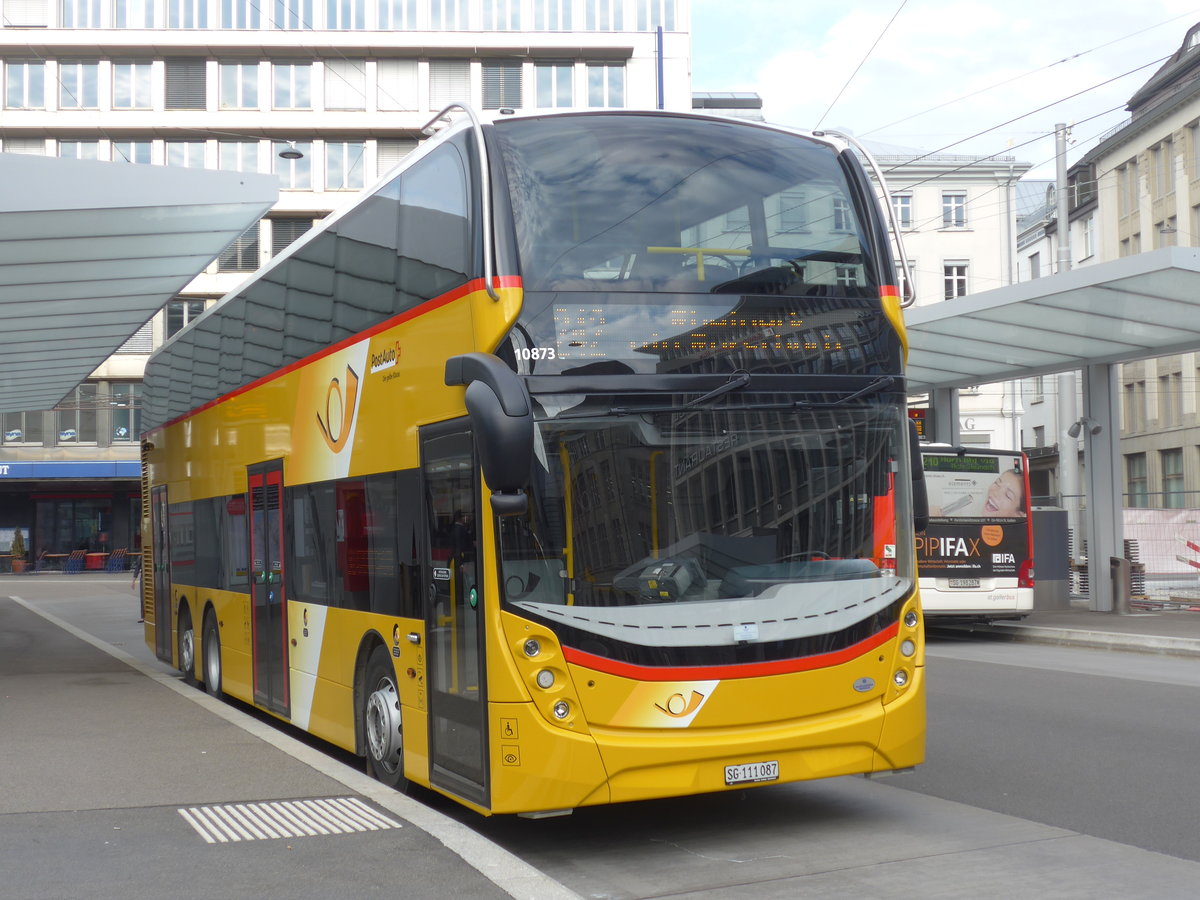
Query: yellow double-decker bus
568, 466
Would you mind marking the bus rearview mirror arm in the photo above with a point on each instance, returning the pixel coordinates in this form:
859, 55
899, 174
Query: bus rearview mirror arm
919, 492
501, 415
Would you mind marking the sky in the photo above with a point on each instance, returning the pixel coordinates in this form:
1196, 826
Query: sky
972, 77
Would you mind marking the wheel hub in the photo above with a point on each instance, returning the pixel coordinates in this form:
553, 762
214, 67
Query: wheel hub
383, 725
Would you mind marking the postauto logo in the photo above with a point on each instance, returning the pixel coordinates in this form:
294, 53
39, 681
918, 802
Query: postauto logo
340, 402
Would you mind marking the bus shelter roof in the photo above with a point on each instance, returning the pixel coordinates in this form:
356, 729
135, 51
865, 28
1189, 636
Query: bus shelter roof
90, 251
1137, 307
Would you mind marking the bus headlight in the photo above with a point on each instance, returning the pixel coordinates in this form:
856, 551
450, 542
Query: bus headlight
910, 619
901, 678
533, 647
562, 709
545, 679
908, 647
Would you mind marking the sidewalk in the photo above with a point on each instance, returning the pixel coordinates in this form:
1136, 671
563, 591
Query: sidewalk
1173, 632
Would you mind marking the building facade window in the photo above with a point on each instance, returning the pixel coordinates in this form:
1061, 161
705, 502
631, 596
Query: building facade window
21, 428
132, 87
501, 15
238, 85
133, 13
344, 165
954, 209
241, 14
294, 174
346, 15
555, 84
81, 13
187, 13
843, 215
606, 85
793, 212
502, 84
345, 84
552, 15
396, 84
652, 14
292, 85
1088, 235
188, 154
902, 206
186, 80
448, 15
181, 312
79, 149
397, 15
449, 80
604, 15
287, 229
78, 85
389, 153
132, 151
1171, 463
292, 15
125, 401
242, 254
25, 84
75, 416
237, 156
1170, 399
1136, 491
1134, 397
954, 277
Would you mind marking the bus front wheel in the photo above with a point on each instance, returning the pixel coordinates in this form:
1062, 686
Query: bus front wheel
381, 722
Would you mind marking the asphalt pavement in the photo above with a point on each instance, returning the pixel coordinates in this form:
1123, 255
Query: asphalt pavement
112, 787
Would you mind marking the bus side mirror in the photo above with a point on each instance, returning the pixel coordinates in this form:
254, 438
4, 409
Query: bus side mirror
501, 416
919, 493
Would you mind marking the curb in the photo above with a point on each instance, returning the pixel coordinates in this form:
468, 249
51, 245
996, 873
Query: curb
1101, 640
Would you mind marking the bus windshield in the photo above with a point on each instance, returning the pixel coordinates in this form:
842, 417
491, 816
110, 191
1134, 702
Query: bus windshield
724, 524
714, 208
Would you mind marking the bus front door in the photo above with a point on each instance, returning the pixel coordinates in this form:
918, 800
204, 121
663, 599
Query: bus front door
268, 607
454, 614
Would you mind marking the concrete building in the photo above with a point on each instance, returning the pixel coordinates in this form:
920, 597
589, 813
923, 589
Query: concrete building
327, 96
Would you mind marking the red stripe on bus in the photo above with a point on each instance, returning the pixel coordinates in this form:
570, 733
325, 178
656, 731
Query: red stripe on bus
736, 670
503, 281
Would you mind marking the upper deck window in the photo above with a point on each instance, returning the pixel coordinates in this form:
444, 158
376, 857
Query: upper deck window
658, 203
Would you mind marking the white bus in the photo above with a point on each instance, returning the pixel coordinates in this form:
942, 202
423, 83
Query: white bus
975, 558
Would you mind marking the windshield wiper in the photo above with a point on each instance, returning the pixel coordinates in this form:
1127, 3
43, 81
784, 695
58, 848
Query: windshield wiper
879, 384
738, 380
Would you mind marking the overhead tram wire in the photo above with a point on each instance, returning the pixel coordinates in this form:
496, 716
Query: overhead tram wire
1034, 112
1065, 59
866, 56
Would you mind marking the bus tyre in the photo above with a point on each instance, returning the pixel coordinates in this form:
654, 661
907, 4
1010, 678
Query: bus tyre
211, 648
186, 646
381, 722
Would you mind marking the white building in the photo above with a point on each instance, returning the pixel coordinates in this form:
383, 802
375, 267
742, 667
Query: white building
346, 84
958, 215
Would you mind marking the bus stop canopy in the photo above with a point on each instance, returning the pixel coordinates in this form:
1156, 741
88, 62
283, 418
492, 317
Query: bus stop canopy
89, 251
1132, 308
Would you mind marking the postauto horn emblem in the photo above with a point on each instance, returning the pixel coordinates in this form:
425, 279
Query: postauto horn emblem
339, 410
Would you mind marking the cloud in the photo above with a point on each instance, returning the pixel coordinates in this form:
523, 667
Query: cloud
1007, 59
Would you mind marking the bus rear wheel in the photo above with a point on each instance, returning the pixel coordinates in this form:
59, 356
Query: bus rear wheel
186, 645
211, 649
382, 730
